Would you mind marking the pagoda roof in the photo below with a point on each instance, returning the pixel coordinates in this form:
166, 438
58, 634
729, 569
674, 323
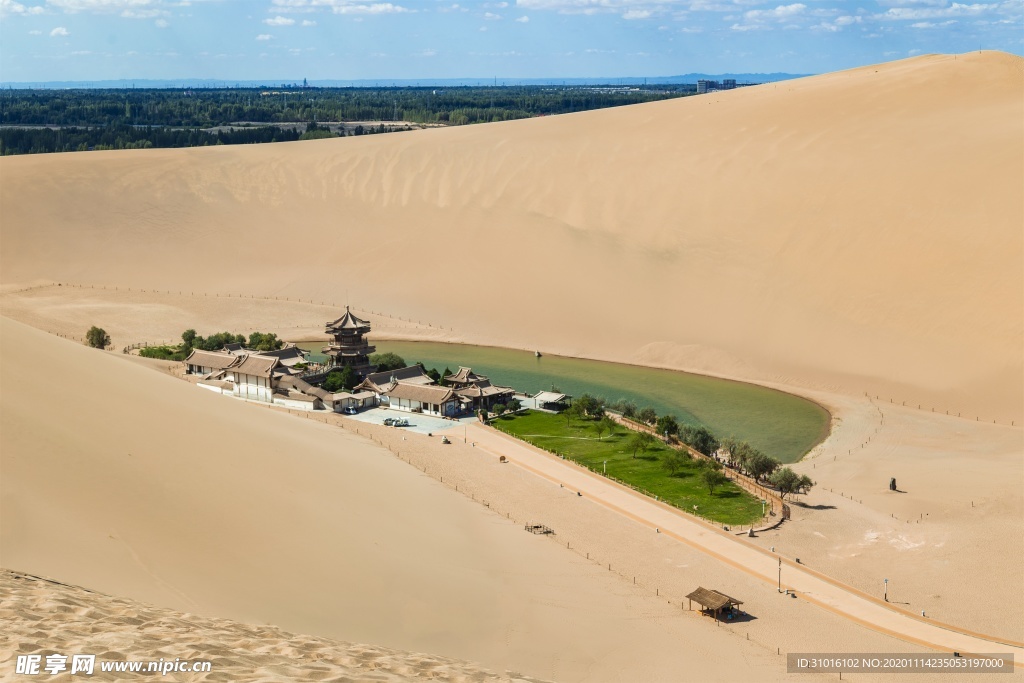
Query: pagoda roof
349, 321
465, 376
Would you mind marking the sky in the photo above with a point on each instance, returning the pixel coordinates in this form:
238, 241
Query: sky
288, 40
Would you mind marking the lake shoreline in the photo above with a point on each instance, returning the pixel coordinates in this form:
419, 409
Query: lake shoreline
823, 433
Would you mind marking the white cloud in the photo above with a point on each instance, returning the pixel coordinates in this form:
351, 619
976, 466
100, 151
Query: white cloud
10, 7
162, 23
780, 12
932, 24
144, 13
35, 32
264, 36
955, 10
523, 19
429, 52
279, 21
911, 3
108, 6
375, 8
308, 22
637, 14
491, 16
59, 31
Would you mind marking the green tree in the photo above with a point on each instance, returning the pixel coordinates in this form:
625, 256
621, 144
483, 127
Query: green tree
667, 425
674, 461
590, 405
433, 374
699, 439
259, 341
498, 408
641, 442
605, 425
625, 406
97, 338
189, 338
760, 465
341, 380
514, 405
648, 416
387, 361
447, 371
713, 479
573, 411
787, 481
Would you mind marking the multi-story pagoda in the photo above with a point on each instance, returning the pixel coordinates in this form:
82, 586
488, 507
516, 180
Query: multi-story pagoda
349, 348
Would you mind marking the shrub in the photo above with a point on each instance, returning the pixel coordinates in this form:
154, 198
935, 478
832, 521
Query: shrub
97, 338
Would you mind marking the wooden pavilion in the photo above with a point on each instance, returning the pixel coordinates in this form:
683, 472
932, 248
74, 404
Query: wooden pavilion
713, 601
348, 347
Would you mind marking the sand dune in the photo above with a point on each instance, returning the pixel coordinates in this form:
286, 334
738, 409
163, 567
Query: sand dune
134, 631
858, 231
849, 233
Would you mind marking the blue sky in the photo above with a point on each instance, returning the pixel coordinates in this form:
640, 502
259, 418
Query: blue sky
276, 40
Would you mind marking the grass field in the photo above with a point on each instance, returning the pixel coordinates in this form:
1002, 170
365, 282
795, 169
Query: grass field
579, 442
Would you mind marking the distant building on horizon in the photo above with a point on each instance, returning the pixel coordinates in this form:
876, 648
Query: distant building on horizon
706, 85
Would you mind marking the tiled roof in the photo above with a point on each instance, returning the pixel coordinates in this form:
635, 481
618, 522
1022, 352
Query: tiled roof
211, 359
420, 392
254, 364
348, 322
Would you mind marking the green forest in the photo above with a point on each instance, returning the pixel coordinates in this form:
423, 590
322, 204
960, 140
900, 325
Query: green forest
40, 121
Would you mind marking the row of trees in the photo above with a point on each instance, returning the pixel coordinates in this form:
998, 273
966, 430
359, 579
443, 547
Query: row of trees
257, 341
120, 136
757, 464
208, 107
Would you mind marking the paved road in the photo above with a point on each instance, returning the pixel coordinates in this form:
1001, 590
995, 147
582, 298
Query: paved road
809, 584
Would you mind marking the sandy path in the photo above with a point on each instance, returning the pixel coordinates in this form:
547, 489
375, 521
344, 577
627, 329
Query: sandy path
808, 584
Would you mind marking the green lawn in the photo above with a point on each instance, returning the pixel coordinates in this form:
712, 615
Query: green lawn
163, 352
579, 442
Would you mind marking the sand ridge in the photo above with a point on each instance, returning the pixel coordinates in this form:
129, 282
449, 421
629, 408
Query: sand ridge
80, 621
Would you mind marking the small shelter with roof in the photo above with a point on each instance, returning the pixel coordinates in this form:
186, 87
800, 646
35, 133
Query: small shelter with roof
713, 601
348, 348
551, 400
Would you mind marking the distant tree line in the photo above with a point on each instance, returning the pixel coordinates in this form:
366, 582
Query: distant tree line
119, 136
134, 118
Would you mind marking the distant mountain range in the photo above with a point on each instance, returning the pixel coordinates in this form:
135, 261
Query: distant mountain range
125, 83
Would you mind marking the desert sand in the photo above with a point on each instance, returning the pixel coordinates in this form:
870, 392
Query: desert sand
855, 238
236, 652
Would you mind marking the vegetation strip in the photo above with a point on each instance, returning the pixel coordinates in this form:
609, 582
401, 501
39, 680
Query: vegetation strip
658, 470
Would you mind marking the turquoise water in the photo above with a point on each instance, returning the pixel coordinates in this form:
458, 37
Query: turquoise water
782, 425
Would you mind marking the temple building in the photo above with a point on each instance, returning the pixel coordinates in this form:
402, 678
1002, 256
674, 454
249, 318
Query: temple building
476, 391
348, 347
